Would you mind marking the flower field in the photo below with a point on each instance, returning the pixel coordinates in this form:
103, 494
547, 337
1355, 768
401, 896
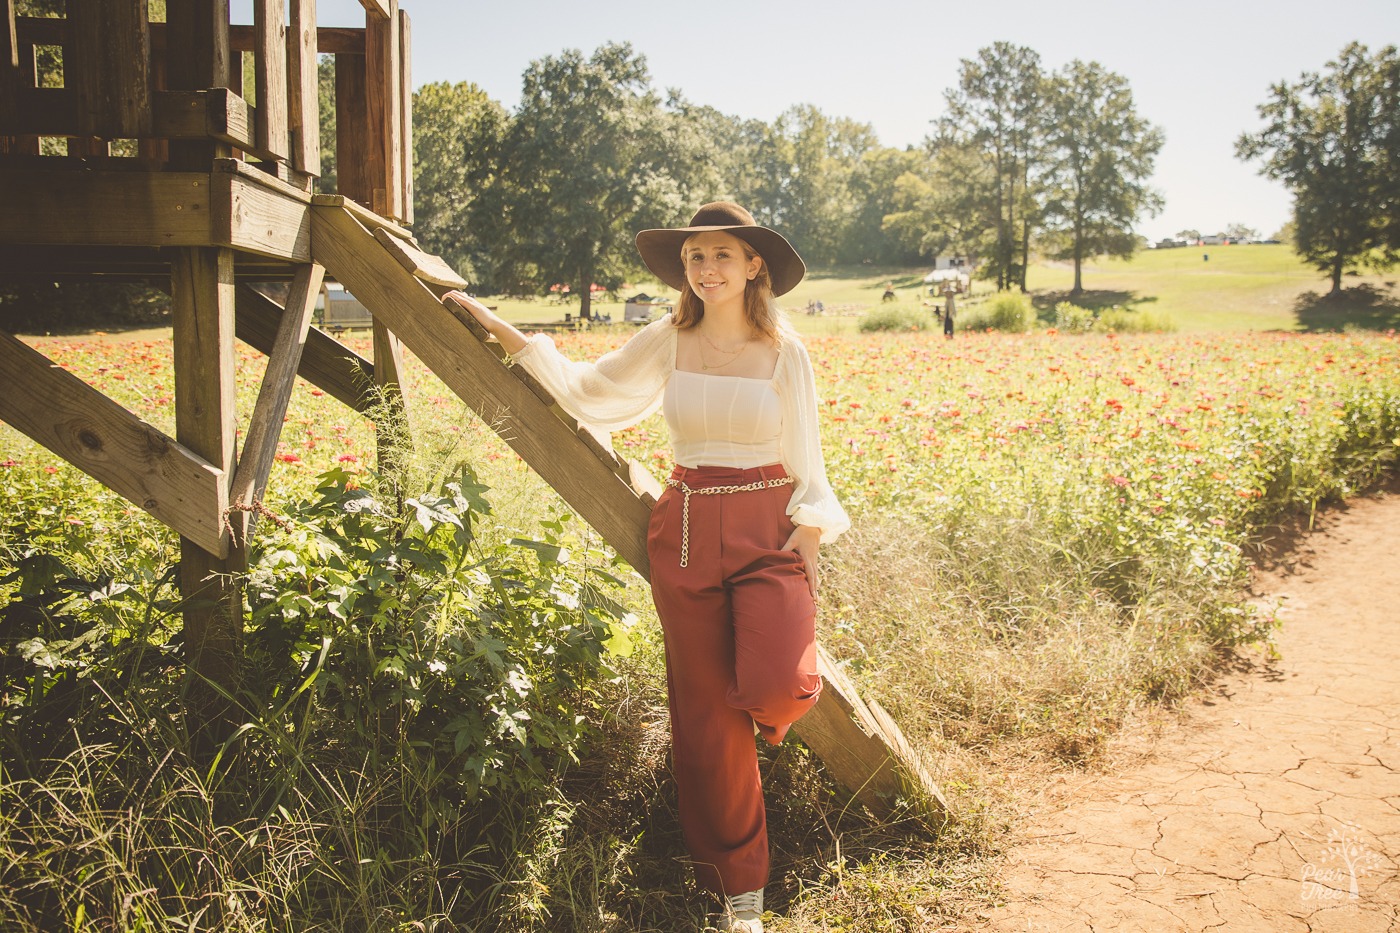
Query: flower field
1050, 532
1171, 445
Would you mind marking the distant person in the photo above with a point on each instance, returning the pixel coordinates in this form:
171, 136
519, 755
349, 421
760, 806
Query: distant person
889, 292
734, 539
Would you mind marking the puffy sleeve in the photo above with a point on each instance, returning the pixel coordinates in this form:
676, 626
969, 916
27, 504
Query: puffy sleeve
618, 390
812, 502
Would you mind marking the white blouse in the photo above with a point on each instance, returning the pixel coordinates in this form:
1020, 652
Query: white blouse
724, 421
628, 384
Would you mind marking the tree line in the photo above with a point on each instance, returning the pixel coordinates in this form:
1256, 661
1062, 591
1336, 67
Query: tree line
550, 195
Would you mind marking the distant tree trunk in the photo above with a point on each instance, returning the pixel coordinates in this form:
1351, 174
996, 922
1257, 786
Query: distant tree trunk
1025, 251
1337, 264
585, 301
1078, 261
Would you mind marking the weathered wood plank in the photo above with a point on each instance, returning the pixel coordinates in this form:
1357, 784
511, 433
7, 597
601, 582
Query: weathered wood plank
270, 73
305, 121
423, 265
202, 298
862, 748
110, 444
472, 371
384, 116
9, 67
252, 216
107, 65
326, 363
392, 431
406, 117
352, 179
330, 40
197, 58
217, 113
265, 424
105, 208
377, 9
367, 218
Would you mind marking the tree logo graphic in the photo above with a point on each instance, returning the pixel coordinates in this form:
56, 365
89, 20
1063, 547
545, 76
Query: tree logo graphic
1345, 860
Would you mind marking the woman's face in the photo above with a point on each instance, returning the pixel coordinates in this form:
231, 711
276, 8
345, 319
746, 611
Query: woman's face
717, 268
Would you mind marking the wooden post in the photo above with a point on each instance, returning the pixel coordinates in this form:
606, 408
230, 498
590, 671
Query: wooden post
9, 66
392, 430
302, 82
352, 179
202, 293
406, 118
385, 158
106, 64
270, 72
197, 58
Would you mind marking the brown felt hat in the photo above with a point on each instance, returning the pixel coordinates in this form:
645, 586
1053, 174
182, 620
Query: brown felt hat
661, 249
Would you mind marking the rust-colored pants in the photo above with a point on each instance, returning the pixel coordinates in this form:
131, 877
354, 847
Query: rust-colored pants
740, 651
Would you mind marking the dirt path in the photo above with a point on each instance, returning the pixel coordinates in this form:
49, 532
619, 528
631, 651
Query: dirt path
1277, 806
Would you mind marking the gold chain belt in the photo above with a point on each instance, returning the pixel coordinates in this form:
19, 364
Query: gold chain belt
713, 491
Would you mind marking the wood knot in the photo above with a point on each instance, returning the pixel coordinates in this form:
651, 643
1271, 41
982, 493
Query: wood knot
89, 439
149, 504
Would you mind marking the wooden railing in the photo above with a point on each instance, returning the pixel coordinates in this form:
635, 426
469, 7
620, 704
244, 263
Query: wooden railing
176, 91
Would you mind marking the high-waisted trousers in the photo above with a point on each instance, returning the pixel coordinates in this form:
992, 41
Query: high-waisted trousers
740, 652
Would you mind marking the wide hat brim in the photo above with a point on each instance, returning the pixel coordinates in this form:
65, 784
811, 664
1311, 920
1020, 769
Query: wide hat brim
660, 248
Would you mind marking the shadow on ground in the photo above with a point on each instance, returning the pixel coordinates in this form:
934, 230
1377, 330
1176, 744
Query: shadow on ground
1364, 306
1094, 300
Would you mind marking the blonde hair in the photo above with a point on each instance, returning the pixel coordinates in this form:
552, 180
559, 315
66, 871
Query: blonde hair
760, 306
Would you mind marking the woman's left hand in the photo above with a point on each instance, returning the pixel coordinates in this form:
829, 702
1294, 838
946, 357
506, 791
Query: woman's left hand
806, 540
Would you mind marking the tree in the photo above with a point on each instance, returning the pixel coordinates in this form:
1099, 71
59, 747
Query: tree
996, 110
1239, 231
457, 137
1332, 139
1190, 234
1099, 155
590, 157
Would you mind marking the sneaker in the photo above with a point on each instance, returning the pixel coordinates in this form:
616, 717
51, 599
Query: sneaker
743, 913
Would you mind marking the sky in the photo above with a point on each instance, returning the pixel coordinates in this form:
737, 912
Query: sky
1198, 70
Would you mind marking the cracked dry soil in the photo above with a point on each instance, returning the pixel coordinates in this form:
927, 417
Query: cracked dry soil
1275, 806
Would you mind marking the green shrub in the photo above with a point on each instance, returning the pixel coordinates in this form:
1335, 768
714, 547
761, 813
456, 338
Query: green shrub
1005, 311
1072, 319
1132, 321
895, 318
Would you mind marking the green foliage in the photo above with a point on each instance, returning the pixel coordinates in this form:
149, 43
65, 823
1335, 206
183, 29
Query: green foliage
1100, 155
1008, 311
1333, 139
1134, 321
895, 318
417, 681
1072, 319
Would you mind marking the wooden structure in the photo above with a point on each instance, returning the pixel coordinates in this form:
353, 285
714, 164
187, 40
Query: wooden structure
213, 192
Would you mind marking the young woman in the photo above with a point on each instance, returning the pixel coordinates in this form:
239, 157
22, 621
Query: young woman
734, 539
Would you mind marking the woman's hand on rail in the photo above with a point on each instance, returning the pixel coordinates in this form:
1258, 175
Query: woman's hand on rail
511, 339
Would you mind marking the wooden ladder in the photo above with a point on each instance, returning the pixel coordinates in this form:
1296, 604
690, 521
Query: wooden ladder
860, 745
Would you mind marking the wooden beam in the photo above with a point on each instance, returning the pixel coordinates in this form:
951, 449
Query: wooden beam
270, 73
330, 40
377, 9
110, 444
385, 155
405, 118
107, 64
472, 371
302, 80
326, 363
202, 315
253, 216
352, 179
265, 425
105, 208
9, 67
861, 745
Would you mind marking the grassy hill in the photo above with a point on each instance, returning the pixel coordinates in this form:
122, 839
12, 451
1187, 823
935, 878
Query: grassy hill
1255, 287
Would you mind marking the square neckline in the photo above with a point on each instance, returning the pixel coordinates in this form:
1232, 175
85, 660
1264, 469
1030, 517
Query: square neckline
675, 368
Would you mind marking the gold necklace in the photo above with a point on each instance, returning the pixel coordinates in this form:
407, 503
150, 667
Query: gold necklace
733, 354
